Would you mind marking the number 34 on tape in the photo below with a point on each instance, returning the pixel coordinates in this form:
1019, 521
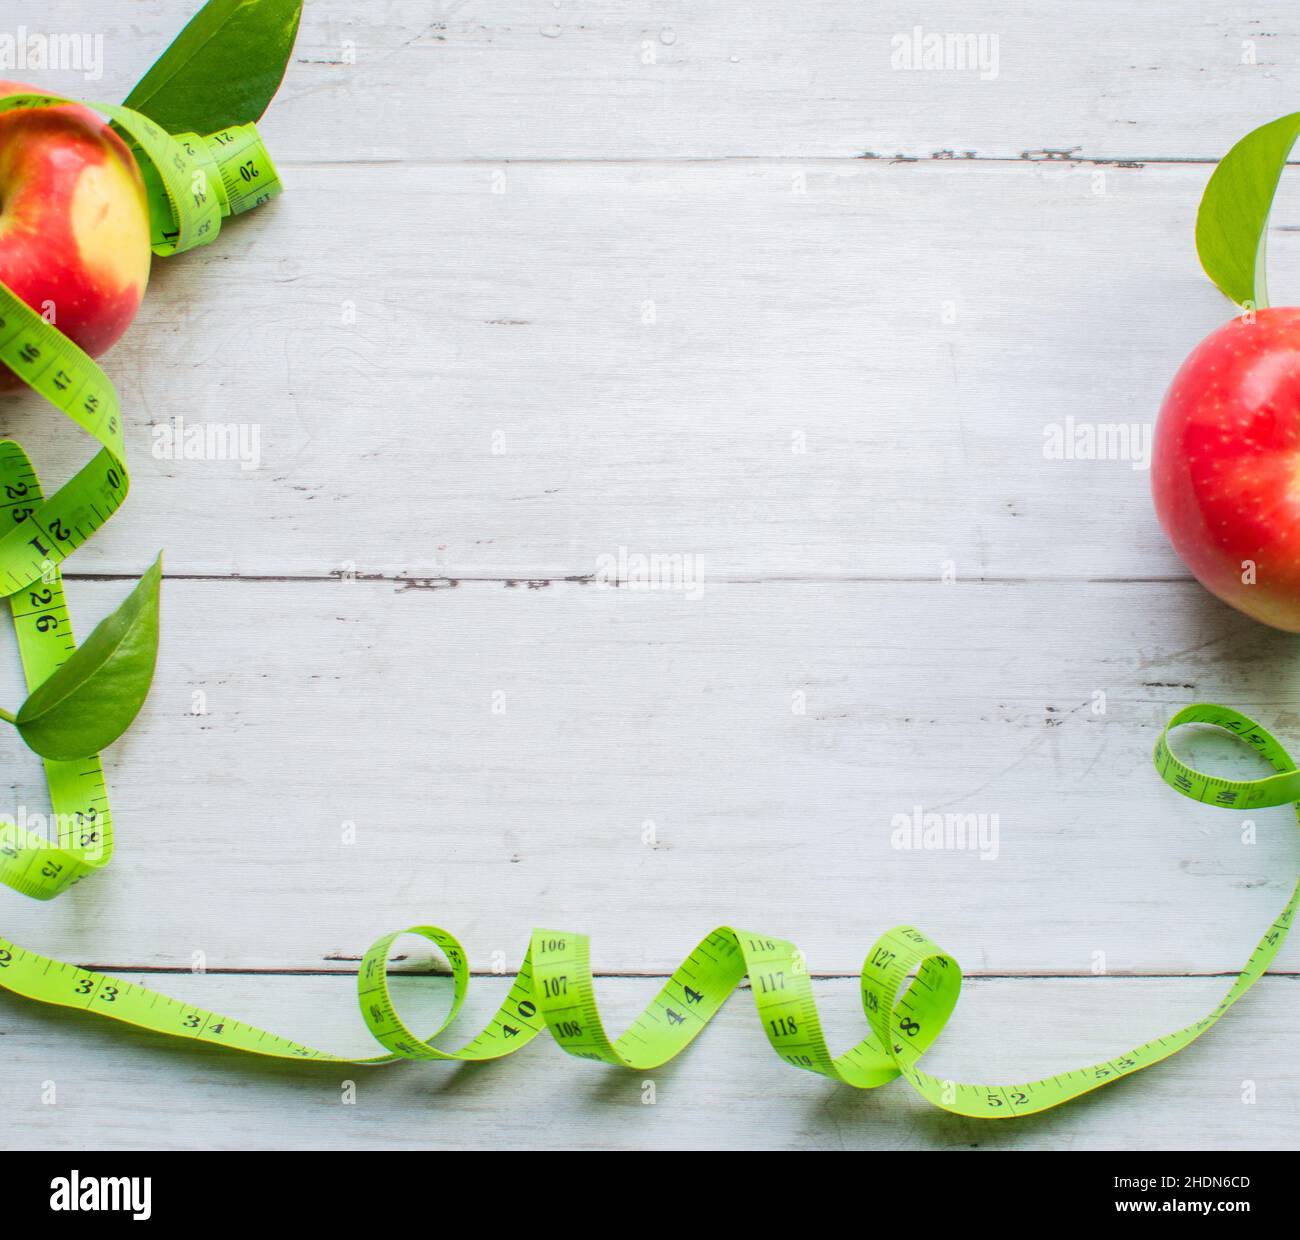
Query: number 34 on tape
909, 989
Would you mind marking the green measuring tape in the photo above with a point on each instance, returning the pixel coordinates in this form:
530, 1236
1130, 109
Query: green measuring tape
193, 184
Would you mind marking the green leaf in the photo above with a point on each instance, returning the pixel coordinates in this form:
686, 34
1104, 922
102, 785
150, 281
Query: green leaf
1232, 224
223, 69
91, 699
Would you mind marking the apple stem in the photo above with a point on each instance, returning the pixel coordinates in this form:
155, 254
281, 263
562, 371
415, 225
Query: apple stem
5, 715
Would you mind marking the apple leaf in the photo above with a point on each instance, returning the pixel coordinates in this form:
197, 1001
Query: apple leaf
88, 702
1232, 223
223, 69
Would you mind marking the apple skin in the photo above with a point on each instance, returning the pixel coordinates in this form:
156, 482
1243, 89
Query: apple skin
1225, 468
74, 222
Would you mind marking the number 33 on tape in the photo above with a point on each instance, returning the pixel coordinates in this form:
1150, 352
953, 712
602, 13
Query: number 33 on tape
909, 989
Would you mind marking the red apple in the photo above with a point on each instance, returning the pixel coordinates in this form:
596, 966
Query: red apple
1225, 469
74, 221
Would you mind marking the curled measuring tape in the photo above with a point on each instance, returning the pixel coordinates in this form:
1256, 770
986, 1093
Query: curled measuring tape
192, 183
554, 988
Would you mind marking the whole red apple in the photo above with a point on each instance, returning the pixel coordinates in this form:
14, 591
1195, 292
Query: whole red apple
74, 221
1225, 469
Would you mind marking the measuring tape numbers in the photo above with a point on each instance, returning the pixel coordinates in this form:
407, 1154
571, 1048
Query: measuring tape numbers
554, 989
909, 986
191, 183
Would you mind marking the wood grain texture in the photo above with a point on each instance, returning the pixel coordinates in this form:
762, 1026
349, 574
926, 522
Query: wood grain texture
669, 79
502, 750
553, 282
799, 407
118, 1088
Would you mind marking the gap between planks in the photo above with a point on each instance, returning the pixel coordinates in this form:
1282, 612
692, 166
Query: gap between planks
1062, 156
752, 579
614, 974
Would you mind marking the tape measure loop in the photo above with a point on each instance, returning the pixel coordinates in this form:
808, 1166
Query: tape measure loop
378, 1009
1271, 790
193, 183
905, 1022
245, 176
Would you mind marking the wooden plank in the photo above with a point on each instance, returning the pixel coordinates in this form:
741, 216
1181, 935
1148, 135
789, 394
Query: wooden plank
503, 327
798, 407
643, 766
603, 79
1238, 1087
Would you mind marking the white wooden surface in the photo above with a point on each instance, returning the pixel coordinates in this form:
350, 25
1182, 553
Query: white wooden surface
499, 414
